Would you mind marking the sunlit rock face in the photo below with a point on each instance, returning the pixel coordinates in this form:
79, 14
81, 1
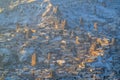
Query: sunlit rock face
59, 39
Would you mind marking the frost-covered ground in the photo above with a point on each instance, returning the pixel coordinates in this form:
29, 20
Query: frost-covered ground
59, 39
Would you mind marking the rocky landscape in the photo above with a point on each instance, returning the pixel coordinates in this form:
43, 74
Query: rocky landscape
59, 39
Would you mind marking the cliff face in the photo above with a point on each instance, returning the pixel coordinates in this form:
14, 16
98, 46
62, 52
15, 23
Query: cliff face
59, 39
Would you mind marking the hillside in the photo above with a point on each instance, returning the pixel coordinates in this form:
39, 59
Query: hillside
59, 39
